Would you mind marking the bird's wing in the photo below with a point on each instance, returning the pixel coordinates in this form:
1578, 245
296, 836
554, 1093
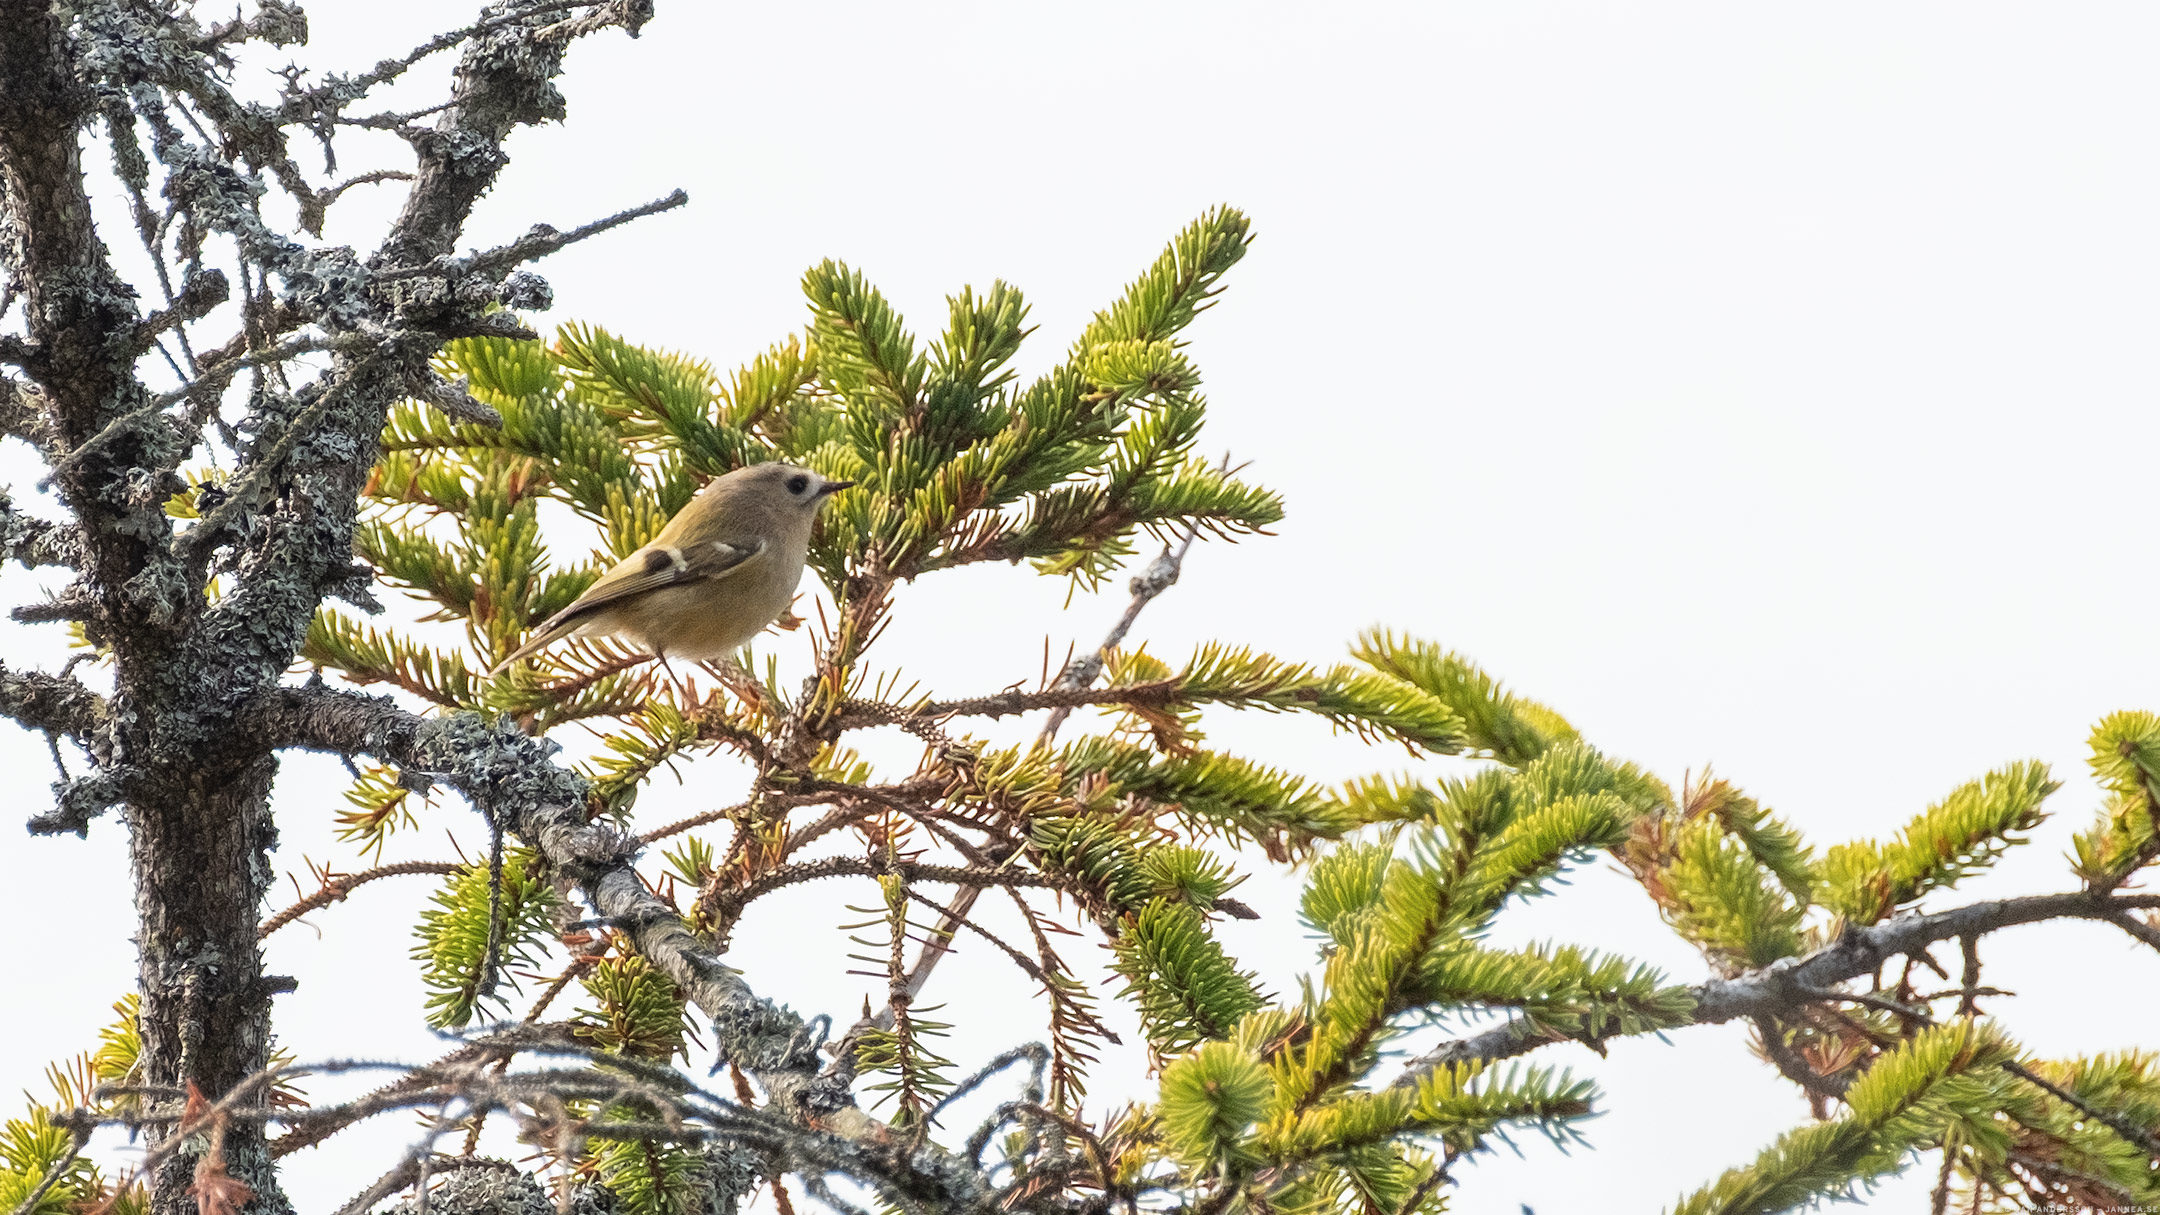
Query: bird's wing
661, 565
655, 567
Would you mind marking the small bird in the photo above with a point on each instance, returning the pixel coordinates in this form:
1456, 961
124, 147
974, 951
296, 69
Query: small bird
721, 570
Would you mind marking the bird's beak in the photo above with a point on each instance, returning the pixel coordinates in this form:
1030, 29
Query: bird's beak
833, 487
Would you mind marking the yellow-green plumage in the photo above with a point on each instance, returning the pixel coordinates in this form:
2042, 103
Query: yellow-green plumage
721, 570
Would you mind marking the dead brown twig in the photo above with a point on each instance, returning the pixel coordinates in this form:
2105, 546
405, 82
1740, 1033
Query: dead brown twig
336, 886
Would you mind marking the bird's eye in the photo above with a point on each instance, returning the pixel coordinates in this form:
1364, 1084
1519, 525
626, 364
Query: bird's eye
797, 483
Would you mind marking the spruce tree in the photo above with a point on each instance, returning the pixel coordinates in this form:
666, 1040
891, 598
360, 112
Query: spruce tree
391, 426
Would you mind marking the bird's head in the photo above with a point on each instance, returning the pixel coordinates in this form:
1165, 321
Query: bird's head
784, 493
787, 486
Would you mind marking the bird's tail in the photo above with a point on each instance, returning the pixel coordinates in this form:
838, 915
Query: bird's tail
537, 642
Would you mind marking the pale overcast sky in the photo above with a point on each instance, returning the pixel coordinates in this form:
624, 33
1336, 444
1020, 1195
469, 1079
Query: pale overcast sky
1761, 385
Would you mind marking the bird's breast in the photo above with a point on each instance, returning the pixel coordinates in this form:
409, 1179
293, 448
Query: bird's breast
709, 620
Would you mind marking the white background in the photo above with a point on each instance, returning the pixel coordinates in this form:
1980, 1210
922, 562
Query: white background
1759, 385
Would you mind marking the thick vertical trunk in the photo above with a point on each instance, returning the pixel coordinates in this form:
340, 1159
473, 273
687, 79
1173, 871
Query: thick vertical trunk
196, 791
201, 868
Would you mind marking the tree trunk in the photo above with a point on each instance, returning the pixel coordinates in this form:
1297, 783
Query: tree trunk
201, 866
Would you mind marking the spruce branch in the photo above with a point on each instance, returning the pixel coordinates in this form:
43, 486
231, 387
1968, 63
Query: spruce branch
959, 463
335, 889
729, 905
2130, 1132
722, 815
1160, 575
78, 1139
1894, 1107
1368, 704
1783, 987
543, 805
2126, 759
1966, 831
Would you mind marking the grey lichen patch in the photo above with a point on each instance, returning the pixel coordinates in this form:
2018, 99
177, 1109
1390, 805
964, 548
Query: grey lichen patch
518, 73
500, 766
760, 1036
462, 152
731, 1172
76, 802
207, 176
161, 592
332, 286
483, 1189
526, 292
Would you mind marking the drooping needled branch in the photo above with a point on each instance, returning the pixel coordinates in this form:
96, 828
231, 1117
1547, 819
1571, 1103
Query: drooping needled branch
1079, 675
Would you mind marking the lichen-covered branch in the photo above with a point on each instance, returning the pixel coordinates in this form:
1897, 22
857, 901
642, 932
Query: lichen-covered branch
1784, 987
57, 703
193, 161
515, 779
35, 542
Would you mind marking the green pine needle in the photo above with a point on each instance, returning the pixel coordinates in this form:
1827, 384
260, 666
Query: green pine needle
453, 936
1963, 833
1496, 722
1944, 1075
1187, 990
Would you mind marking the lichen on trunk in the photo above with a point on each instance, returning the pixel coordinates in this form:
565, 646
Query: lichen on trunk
200, 859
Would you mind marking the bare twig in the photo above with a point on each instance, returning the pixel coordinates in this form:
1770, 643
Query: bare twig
1078, 676
1918, 1016
302, 105
861, 715
1160, 575
541, 241
577, 969
1792, 1066
1939, 1200
731, 902
328, 195
694, 821
2143, 929
335, 889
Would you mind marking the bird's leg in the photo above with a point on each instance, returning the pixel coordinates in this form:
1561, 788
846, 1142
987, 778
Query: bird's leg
730, 675
680, 689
